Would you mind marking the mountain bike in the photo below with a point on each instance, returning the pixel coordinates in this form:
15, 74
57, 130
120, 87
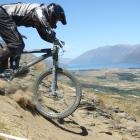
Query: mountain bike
56, 92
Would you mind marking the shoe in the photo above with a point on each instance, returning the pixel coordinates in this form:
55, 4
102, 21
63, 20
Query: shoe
7, 74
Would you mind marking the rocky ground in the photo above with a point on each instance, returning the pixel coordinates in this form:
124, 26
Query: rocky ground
92, 120
99, 116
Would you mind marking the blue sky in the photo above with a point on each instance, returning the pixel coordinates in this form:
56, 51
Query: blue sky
91, 24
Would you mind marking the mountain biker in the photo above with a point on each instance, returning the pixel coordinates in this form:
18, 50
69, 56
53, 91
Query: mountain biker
40, 16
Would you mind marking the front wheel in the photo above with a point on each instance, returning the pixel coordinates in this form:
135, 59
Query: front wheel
66, 100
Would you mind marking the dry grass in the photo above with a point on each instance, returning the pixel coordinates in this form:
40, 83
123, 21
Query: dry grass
24, 99
3, 138
2, 126
130, 105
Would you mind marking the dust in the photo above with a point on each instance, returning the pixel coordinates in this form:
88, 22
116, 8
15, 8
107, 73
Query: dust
24, 99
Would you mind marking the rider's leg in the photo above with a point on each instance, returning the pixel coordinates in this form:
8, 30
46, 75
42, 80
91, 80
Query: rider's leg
3, 65
4, 53
11, 36
14, 61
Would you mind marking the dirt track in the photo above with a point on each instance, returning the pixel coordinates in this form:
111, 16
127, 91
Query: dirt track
93, 120
23, 121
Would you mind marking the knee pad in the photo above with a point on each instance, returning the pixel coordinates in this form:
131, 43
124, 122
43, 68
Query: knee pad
4, 53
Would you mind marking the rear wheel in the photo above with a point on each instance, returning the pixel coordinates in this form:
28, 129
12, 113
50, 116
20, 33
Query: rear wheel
68, 94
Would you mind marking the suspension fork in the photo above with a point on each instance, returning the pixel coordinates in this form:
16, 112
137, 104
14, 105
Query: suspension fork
54, 71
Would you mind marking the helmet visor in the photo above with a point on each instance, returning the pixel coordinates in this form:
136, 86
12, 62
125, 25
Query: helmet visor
55, 18
62, 18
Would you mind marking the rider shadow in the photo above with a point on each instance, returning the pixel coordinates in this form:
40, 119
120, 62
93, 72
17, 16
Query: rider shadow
70, 126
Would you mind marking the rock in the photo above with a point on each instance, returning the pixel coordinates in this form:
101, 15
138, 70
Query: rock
115, 109
106, 132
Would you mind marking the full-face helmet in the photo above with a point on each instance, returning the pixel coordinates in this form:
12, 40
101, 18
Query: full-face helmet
55, 14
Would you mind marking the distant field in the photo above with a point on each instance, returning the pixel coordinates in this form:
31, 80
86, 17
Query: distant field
111, 81
115, 87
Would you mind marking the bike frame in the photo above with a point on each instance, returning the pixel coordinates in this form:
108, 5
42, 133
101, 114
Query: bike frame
48, 53
10, 74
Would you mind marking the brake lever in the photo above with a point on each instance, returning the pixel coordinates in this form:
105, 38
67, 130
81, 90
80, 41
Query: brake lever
59, 42
63, 43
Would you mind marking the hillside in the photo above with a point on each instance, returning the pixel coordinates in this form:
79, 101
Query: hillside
91, 121
99, 116
133, 57
110, 55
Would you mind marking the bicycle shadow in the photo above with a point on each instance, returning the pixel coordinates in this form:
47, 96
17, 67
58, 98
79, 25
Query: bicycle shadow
70, 126
67, 124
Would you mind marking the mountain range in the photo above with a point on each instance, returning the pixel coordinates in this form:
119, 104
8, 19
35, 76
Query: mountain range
117, 54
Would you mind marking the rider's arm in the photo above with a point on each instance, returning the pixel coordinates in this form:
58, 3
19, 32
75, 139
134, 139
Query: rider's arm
42, 26
39, 18
45, 35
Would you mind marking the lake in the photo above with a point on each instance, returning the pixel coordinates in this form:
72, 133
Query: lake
101, 66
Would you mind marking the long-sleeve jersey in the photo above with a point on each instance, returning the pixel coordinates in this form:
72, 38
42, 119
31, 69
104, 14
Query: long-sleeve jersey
31, 15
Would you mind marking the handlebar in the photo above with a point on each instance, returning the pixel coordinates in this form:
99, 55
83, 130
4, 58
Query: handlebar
58, 42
